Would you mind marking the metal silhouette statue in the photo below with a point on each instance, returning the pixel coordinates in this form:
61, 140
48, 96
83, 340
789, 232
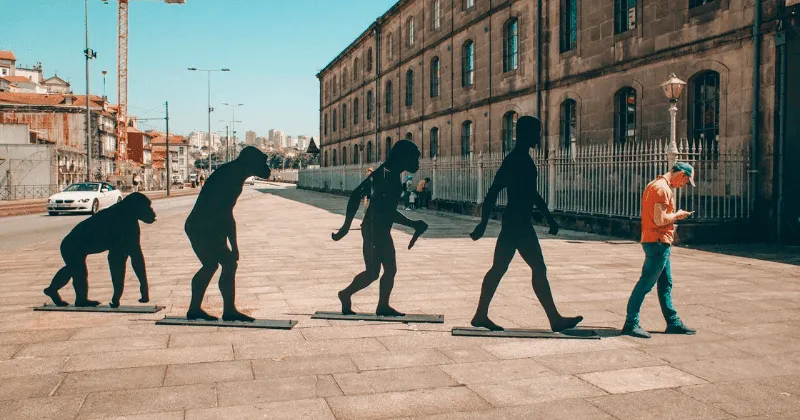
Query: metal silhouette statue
116, 230
210, 226
386, 188
518, 175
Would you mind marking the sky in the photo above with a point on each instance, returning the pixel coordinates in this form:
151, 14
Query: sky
274, 49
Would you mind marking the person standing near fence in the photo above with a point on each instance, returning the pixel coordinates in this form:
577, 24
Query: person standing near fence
423, 193
518, 176
658, 232
407, 191
136, 183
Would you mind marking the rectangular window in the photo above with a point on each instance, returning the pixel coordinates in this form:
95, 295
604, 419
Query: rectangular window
468, 65
698, 3
569, 25
436, 15
469, 4
624, 15
510, 46
411, 31
344, 116
369, 105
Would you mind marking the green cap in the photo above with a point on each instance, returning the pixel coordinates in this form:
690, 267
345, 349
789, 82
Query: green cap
685, 168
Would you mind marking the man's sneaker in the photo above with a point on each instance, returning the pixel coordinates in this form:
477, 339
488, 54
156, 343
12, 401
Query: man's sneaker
679, 328
635, 331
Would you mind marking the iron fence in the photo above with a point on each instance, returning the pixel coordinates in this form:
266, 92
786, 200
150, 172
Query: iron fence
603, 180
22, 192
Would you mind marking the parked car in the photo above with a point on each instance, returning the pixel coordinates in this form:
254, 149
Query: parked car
250, 181
83, 197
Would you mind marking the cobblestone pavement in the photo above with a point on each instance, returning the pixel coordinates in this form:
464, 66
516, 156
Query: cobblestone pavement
743, 363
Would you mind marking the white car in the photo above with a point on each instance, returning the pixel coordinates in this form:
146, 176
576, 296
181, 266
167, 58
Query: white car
83, 197
250, 181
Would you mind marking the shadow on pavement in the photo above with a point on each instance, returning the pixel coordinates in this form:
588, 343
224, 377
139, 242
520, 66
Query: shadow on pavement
784, 254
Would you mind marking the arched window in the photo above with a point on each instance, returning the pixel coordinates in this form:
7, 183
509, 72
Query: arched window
569, 25
344, 79
334, 157
704, 110
468, 4
624, 15
569, 123
344, 119
409, 88
334, 120
436, 15
344, 155
435, 77
389, 45
370, 101
388, 146
325, 159
355, 154
369, 60
468, 64
510, 45
335, 85
410, 29
369, 152
466, 137
409, 136
355, 111
355, 70
625, 115
509, 131
325, 126
389, 97
434, 142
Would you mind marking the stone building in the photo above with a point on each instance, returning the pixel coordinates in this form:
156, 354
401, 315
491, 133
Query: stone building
453, 76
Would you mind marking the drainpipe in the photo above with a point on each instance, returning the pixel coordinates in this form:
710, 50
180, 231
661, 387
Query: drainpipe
376, 98
754, 114
780, 42
452, 71
539, 60
491, 5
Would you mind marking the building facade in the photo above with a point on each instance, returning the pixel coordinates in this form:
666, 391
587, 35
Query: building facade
454, 75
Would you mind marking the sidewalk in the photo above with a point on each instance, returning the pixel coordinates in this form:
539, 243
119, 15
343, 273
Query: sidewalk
743, 363
37, 205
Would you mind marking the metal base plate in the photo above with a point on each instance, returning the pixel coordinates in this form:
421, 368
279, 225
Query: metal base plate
259, 323
101, 308
408, 318
520, 333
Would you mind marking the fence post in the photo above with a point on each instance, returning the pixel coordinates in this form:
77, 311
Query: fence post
480, 179
551, 179
435, 181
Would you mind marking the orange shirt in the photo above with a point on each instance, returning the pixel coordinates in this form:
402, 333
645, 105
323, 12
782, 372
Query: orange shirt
657, 192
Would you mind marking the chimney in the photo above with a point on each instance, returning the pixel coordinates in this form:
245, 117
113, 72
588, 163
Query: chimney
67, 100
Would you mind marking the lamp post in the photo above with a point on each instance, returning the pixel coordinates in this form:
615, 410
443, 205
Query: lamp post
210, 109
233, 126
673, 88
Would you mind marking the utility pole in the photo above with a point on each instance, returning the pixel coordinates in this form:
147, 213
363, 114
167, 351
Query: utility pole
168, 160
227, 147
89, 55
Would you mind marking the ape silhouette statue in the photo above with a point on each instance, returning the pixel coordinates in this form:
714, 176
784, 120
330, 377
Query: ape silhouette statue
116, 230
518, 175
210, 226
386, 187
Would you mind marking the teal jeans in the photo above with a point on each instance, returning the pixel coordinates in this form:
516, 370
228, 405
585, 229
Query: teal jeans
656, 270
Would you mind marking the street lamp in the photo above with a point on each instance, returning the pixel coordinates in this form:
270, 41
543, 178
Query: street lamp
210, 109
233, 126
673, 88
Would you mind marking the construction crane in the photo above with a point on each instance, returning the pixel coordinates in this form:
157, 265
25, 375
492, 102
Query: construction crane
122, 76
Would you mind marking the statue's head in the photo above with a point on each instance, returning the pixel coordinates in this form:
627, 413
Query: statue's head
405, 156
529, 132
254, 161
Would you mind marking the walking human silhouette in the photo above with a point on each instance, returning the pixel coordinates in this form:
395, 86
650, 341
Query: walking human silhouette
386, 187
517, 175
210, 226
116, 230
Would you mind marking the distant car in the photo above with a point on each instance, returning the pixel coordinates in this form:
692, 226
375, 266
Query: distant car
83, 197
250, 181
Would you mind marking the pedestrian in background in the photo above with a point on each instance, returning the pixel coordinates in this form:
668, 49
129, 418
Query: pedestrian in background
423, 193
407, 191
658, 232
136, 181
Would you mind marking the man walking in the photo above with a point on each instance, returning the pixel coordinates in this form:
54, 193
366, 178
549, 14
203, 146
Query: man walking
658, 231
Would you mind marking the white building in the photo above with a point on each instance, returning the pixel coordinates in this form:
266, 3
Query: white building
250, 138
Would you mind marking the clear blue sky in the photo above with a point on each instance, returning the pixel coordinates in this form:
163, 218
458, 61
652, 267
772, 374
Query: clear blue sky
274, 49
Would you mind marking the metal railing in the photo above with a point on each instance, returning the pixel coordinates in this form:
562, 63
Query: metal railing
602, 180
22, 192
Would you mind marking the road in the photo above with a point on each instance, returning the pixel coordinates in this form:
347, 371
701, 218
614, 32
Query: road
22, 231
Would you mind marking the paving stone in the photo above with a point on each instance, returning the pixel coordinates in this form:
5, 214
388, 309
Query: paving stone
562, 410
146, 400
328, 387
201, 373
496, 371
315, 409
659, 404
467, 354
598, 361
266, 390
28, 366
402, 404
123, 359
399, 359
695, 352
48, 408
529, 391
231, 336
111, 379
170, 415
302, 366
732, 369
35, 336
390, 380
744, 398
767, 345
71, 347
640, 379
7, 352
532, 348
279, 350
24, 387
